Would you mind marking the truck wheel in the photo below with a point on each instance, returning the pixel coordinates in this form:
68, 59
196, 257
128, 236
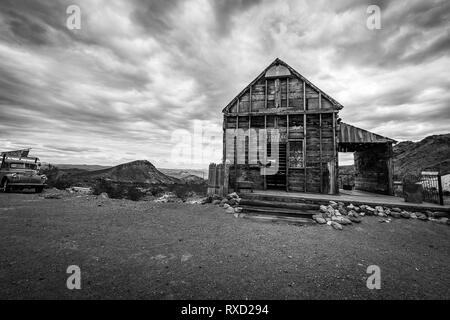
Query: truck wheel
6, 186
38, 189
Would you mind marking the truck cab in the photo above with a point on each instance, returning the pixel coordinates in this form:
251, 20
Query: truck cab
17, 172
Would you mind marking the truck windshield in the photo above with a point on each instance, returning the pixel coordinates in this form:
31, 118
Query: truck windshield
19, 165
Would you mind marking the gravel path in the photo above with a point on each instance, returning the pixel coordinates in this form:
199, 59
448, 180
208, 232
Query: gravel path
147, 250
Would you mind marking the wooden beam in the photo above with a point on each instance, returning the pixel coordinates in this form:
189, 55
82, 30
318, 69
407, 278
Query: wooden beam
320, 143
249, 138
304, 135
287, 92
282, 112
265, 99
224, 139
287, 150
251, 100
235, 154
265, 151
335, 155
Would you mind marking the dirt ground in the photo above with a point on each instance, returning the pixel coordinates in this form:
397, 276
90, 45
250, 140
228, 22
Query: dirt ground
147, 250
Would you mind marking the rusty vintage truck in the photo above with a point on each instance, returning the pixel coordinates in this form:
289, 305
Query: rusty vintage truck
19, 171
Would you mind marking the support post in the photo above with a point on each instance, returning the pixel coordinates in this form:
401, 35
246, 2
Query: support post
304, 136
320, 143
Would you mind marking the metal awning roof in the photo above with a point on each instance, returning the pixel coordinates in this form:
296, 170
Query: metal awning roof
351, 134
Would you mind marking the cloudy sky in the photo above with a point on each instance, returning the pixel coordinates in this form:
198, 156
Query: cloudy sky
140, 77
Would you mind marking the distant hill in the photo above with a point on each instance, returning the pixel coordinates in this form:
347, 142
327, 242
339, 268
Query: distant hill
181, 173
139, 171
193, 179
87, 167
431, 153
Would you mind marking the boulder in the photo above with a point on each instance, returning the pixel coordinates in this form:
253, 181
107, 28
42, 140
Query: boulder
336, 225
351, 206
238, 209
215, 202
413, 215
333, 204
443, 220
323, 209
369, 210
206, 200
396, 210
379, 209
340, 219
232, 202
354, 219
320, 220
226, 206
103, 195
405, 214
421, 216
224, 201
438, 215
345, 221
352, 213
230, 210
396, 214
337, 213
342, 211
233, 195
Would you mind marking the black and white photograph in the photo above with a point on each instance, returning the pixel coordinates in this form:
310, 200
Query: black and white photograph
204, 151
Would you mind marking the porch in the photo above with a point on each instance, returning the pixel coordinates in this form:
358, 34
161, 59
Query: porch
356, 197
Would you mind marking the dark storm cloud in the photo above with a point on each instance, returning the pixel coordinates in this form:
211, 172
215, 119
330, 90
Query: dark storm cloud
224, 11
395, 44
154, 15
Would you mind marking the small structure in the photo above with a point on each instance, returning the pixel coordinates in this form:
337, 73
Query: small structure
282, 132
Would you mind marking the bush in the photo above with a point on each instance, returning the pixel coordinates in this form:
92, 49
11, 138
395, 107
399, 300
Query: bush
117, 190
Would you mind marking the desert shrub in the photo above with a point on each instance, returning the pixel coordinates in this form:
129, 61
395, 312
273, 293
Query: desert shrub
117, 190
183, 191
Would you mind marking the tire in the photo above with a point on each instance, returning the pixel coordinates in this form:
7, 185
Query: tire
6, 186
38, 189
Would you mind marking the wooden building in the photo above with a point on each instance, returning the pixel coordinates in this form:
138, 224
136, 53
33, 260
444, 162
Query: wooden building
282, 132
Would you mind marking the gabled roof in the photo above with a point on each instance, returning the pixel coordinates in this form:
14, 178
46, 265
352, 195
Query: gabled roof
277, 61
352, 134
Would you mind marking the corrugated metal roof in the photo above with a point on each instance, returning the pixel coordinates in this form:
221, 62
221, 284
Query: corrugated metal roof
352, 134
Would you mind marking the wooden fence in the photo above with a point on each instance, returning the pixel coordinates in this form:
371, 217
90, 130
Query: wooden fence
218, 179
432, 187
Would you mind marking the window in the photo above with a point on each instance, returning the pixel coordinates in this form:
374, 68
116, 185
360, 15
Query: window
296, 158
17, 165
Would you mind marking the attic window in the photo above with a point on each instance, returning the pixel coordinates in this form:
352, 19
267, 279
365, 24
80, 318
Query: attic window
277, 71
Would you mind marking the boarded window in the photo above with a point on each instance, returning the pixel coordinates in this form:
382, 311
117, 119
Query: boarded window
296, 154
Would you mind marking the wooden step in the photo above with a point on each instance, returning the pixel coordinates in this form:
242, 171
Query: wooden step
278, 198
278, 211
279, 219
277, 204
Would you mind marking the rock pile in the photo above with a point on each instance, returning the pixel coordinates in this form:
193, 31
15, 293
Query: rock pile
230, 203
337, 214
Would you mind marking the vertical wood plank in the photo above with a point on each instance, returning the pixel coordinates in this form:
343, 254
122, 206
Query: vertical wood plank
287, 92
304, 136
251, 100
335, 155
287, 152
265, 144
320, 143
265, 97
235, 155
